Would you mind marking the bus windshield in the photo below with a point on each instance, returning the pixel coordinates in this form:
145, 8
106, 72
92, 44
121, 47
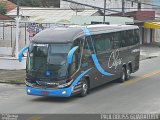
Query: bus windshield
48, 60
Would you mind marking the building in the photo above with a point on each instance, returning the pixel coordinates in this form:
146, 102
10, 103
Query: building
4, 17
115, 5
49, 17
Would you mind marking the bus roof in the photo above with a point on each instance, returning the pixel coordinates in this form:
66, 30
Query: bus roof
70, 33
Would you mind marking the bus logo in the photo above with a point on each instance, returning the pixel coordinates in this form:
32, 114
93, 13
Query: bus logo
114, 59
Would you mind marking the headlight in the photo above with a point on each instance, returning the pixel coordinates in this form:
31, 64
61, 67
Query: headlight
64, 92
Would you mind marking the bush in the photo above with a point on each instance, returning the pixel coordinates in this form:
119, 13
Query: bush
3, 9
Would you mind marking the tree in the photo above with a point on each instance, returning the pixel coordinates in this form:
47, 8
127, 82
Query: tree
44, 3
38, 3
3, 9
14, 1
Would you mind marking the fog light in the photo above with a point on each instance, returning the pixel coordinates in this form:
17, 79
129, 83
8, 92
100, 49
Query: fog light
29, 90
64, 92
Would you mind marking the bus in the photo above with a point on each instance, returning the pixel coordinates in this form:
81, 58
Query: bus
67, 61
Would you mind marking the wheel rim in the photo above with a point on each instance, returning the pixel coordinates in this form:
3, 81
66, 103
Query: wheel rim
123, 76
85, 88
128, 73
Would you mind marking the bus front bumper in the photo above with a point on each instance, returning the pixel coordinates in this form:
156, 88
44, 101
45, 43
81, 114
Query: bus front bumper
63, 92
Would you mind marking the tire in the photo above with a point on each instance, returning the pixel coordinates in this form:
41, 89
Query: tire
85, 88
128, 73
123, 75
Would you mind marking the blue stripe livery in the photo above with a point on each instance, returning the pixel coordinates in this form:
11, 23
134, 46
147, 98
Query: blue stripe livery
98, 66
20, 55
80, 76
70, 54
57, 92
94, 56
86, 31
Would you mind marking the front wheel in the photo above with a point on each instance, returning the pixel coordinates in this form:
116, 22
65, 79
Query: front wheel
84, 89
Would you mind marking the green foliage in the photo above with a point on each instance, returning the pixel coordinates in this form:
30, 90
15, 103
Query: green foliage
3, 9
33, 3
14, 1
38, 3
55, 3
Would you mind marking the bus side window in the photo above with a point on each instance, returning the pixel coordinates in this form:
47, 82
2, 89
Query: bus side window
123, 38
102, 43
131, 38
77, 55
88, 47
116, 40
136, 36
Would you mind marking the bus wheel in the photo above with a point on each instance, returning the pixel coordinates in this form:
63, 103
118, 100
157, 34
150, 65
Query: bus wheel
123, 75
84, 88
128, 73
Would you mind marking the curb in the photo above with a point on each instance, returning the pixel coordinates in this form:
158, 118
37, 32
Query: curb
148, 57
16, 83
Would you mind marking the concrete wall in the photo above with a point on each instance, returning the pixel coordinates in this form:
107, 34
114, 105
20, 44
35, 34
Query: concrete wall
157, 35
11, 63
5, 51
8, 37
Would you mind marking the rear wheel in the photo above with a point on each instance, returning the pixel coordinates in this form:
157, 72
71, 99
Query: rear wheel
128, 73
123, 75
85, 88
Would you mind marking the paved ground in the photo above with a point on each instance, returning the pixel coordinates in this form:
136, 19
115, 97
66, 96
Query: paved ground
12, 76
149, 51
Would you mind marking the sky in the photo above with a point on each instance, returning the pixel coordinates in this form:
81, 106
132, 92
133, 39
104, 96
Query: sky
156, 2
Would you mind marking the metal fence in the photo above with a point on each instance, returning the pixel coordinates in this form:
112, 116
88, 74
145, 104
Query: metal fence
26, 32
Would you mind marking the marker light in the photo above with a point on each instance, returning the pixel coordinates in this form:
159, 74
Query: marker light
64, 92
29, 90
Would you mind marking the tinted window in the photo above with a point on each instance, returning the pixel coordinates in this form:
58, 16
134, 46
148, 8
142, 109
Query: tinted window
116, 40
124, 38
89, 44
102, 43
128, 37
136, 36
76, 56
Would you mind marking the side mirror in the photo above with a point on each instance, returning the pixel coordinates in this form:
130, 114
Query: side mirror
70, 54
20, 55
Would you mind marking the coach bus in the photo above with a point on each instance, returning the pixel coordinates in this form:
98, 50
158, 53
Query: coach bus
66, 61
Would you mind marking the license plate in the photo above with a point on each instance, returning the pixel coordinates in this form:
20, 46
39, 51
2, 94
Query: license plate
45, 92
